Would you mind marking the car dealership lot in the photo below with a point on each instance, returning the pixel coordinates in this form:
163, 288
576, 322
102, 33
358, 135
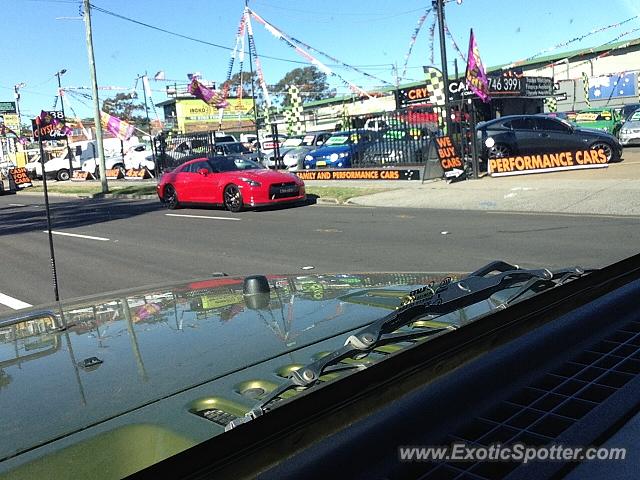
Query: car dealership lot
110, 244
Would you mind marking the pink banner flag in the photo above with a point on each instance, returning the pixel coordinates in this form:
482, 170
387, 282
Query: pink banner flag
207, 95
118, 128
476, 77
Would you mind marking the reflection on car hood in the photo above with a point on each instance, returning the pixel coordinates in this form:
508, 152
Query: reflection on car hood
155, 343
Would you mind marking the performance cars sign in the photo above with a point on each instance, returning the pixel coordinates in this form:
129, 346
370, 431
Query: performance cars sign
551, 162
364, 174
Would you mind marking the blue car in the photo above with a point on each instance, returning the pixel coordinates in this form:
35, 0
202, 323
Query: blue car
341, 150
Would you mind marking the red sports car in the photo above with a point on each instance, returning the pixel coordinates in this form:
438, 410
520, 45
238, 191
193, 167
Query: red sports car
232, 182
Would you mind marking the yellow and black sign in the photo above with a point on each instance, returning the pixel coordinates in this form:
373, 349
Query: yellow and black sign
114, 174
548, 162
360, 174
137, 174
81, 176
20, 177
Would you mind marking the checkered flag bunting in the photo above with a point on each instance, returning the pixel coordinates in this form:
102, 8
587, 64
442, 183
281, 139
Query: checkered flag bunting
345, 118
435, 86
289, 119
585, 85
551, 103
296, 110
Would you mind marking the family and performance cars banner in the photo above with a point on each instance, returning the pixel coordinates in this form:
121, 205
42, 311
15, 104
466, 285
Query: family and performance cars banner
360, 174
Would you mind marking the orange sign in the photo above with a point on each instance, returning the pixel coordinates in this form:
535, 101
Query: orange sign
20, 177
449, 158
137, 174
550, 162
80, 175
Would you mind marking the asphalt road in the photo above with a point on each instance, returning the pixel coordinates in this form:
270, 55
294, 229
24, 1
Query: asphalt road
131, 243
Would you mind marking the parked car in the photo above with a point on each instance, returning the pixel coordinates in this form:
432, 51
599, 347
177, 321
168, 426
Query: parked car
606, 119
289, 144
341, 150
236, 148
136, 156
233, 182
628, 110
630, 132
525, 134
294, 157
396, 146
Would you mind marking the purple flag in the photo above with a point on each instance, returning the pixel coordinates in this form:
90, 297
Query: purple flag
207, 95
476, 77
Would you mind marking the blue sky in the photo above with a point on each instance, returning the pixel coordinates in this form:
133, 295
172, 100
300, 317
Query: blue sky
43, 36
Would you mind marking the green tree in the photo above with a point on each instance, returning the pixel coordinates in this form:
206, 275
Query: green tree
311, 82
126, 107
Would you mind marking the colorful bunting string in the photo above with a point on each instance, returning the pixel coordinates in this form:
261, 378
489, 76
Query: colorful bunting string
254, 52
314, 61
569, 42
412, 41
333, 59
118, 128
455, 45
432, 34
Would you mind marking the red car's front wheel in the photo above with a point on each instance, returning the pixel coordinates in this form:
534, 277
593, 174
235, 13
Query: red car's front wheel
171, 197
232, 198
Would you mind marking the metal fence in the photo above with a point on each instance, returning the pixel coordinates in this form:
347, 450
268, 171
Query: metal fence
172, 150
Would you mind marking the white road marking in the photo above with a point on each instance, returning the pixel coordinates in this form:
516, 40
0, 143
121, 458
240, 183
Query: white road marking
17, 205
13, 302
76, 235
201, 216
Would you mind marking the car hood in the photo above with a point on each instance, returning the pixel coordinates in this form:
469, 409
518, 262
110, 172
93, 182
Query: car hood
122, 355
299, 150
329, 149
266, 176
594, 132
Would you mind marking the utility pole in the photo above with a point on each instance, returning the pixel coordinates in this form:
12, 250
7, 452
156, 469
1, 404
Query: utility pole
64, 118
96, 99
253, 89
438, 5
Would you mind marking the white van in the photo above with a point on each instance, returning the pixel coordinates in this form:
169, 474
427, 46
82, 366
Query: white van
81, 153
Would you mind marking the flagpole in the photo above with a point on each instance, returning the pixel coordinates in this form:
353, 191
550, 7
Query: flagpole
253, 93
52, 255
439, 6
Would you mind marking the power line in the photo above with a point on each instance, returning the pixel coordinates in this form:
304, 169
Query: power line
186, 37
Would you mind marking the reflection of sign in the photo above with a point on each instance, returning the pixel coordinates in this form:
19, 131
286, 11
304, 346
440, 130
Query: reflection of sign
547, 162
52, 131
216, 301
449, 158
20, 177
612, 86
368, 174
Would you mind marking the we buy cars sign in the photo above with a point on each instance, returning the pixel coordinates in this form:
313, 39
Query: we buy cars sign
448, 156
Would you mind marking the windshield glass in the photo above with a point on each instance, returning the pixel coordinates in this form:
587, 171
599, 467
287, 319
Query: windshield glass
338, 140
292, 142
593, 116
635, 116
227, 164
237, 148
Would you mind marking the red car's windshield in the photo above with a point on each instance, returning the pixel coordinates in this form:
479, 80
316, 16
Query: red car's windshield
227, 164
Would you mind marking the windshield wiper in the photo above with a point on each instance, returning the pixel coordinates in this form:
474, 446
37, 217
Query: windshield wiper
446, 297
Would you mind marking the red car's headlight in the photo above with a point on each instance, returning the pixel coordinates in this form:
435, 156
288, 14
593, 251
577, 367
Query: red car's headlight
250, 182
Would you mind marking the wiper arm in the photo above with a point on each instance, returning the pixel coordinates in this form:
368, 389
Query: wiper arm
446, 297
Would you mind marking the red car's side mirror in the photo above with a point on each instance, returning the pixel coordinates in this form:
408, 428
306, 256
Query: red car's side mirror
203, 171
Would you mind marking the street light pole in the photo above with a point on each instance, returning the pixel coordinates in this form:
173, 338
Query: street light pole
438, 5
16, 89
66, 137
146, 109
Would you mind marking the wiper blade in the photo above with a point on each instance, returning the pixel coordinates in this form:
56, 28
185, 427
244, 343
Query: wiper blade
446, 297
